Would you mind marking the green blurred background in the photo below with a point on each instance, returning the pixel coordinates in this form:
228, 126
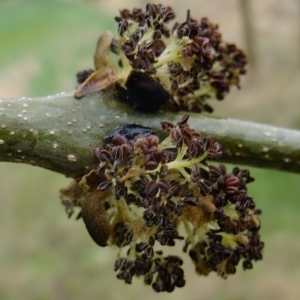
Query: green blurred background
44, 255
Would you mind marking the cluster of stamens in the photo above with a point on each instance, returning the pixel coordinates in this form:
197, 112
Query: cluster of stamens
157, 193
190, 61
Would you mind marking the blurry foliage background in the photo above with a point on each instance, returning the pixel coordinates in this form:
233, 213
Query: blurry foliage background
44, 255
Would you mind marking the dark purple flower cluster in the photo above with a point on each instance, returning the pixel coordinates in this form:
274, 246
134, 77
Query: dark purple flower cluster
190, 61
144, 188
234, 235
177, 69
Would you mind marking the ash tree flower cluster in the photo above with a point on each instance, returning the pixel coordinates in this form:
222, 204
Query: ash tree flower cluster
147, 194
178, 68
152, 194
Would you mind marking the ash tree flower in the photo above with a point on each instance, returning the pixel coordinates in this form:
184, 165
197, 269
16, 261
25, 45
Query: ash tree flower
147, 194
178, 69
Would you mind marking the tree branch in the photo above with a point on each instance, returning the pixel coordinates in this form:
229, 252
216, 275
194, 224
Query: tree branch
58, 133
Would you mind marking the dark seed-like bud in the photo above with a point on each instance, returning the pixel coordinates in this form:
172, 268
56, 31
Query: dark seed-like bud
164, 186
247, 265
141, 247
105, 185
149, 252
151, 189
151, 241
148, 278
175, 188
104, 156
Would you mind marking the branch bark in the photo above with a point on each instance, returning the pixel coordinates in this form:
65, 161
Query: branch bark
58, 133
